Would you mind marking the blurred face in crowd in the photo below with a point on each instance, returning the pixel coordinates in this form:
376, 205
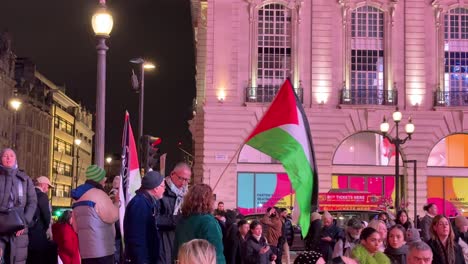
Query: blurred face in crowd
220, 207
382, 230
9, 158
244, 229
327, 221
158, 192
354, 232
433, 210
403, 218
383, 217
372, 243
284, 214
396, 238
44, 187
257, 231
181, 177
442, 228
419, 257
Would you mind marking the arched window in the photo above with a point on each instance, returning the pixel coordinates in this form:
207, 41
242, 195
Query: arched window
365, 148
272, 53
456, 49
451, 151
367, 55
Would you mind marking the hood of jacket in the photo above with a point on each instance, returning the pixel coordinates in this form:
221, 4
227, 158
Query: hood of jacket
82, 189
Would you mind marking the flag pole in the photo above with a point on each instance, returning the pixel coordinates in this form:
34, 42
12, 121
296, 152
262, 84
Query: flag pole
233, 156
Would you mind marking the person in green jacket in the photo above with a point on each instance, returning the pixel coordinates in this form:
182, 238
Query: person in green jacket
368, 251
197, 221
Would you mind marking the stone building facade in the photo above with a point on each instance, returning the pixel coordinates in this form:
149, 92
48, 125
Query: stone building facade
351, 62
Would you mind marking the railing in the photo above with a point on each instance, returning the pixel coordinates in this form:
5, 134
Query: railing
451, 98
266, 94
369, 97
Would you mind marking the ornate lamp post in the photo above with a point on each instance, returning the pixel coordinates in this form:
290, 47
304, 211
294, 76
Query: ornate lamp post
15, 104
102, 25
397, 141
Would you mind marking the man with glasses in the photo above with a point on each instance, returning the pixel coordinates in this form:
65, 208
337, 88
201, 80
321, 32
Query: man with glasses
170, 205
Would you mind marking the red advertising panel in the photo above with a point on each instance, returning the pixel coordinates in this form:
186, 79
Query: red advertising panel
351, 201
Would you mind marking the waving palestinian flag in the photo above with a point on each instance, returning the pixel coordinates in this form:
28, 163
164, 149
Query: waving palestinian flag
284, 134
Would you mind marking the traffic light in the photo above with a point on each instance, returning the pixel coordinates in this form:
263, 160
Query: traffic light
150, 152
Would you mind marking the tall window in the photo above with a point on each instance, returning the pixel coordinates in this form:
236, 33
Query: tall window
456, 50
274, 48
367, 55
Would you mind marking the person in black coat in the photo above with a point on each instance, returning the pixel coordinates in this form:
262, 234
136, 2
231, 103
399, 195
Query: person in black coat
170, 204
142, 240
233, 248
257, 250
40, 249
312, 240
442, 242
329, 235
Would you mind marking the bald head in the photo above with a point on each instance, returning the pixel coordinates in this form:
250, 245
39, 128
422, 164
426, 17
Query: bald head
419, 253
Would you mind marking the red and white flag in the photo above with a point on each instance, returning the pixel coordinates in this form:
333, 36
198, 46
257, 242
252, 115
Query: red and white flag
130, 179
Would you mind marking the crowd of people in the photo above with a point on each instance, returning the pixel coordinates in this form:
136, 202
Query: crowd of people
167, 222
385, 240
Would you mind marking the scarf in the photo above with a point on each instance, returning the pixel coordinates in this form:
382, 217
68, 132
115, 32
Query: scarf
397, 255
447, 253
361, 254
180, 193
6, 186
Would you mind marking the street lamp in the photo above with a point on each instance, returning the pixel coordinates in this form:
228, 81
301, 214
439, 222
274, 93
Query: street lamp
15, 104
108, 162
77, 176
397, 141
102, 23
139, 86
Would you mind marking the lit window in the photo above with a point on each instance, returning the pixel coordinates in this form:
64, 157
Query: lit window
456, 50
367, 55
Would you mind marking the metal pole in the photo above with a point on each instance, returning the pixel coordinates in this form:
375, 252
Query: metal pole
100, 102
13, 139
415, 200
397, 168
77, 166
142, 102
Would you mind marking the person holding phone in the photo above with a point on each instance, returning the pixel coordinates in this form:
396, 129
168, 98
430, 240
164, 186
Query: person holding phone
257, 250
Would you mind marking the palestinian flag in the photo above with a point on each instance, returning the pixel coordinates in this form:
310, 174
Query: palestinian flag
284, 134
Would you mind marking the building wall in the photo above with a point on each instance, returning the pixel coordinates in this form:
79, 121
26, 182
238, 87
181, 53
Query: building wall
224, 63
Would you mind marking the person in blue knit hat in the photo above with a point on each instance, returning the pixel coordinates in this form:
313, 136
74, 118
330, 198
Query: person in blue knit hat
94, 217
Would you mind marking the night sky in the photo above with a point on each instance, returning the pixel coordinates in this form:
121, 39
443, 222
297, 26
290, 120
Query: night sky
57, 35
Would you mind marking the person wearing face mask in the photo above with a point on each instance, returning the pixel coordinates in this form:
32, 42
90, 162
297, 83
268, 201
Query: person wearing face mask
16, 193
368, 251
396, 249
170, 209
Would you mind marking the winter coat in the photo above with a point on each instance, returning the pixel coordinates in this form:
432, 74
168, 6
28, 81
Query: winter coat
67, 242
440, 258
274, 231
326, 247
361, 254
312, 240
233, 248
201, 226
252, 251
142, 241
25, 202
167, 222
344, 247
288, 231
425, 225
397, 256
38, 230
94, 215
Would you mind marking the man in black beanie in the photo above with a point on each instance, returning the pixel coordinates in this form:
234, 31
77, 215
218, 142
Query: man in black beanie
142, 241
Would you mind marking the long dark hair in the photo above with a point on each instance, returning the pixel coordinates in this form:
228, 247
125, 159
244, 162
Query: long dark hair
406, 225
428, 206
450, 246
399, 227
65, 217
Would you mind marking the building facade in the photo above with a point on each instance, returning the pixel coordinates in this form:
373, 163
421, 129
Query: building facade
7, 84
70, 144
351, 62
33, 120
